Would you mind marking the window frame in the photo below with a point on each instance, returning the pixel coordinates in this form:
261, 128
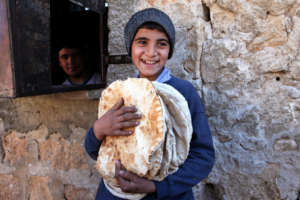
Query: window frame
15, 78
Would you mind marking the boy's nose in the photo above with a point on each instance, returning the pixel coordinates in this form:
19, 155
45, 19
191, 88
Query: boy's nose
70, 60
151, 51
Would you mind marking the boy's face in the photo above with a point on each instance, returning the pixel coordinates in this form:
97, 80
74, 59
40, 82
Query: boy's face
71, 61
149, 52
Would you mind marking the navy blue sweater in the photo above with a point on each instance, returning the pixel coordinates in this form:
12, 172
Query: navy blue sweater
197, 165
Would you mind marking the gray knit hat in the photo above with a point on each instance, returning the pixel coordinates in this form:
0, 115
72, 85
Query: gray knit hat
149, 15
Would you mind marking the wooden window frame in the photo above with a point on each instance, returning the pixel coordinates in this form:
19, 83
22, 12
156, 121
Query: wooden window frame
16, 81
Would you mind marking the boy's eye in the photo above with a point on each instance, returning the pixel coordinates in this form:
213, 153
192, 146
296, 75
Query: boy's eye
65, 57
142, 42
163, 44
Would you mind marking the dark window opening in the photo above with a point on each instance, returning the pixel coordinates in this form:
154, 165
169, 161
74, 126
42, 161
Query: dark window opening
73, 26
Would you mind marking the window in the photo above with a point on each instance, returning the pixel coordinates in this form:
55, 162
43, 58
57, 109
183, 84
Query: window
33, 32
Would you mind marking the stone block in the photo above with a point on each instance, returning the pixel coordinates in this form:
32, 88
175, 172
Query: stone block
73, 193
61, 154
15, 147
19, 150
285, 145
39, 134
11, 188
45, 188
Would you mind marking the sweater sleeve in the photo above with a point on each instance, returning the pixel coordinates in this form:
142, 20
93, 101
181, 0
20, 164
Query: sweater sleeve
92, 144
200, 159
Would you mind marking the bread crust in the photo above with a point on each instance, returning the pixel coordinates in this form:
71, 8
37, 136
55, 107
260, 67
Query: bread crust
134, 151
159, 144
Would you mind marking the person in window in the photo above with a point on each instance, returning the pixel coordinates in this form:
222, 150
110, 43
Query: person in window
150, 38
72, 59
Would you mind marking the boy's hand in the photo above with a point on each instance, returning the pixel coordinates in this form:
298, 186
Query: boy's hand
115, 120
132, 183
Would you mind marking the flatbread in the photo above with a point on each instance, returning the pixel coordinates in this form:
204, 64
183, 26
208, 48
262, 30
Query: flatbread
158, 146
133, 151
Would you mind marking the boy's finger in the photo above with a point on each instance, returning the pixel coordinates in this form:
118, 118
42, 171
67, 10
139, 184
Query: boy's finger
119, 170
127, 109
126, 175
128, 117
119, 104
124, 184
129, 124
122, 132
118, 167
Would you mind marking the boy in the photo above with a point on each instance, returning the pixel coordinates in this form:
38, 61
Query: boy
72, 61
150, 39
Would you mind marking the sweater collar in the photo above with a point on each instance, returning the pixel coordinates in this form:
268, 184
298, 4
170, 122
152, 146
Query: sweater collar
163, 77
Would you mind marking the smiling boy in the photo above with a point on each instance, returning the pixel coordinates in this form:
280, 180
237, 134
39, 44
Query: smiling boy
72, 60
149, 52
150, 39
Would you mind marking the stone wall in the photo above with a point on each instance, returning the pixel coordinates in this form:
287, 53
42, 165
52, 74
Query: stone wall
242, 56
41, 151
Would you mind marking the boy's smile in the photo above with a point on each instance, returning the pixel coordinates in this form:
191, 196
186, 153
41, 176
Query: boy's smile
149, 52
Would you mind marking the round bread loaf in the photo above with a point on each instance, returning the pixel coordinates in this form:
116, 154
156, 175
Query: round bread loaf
134, 151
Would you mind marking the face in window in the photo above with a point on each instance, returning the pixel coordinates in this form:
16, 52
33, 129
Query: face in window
149, 52
72, 62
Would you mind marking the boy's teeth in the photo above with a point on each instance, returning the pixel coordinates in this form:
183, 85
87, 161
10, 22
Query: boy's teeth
149, 62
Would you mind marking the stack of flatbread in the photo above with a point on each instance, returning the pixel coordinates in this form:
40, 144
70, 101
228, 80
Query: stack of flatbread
158, 145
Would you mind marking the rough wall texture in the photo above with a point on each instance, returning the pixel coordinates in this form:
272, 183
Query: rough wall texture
41, 151
242, 56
